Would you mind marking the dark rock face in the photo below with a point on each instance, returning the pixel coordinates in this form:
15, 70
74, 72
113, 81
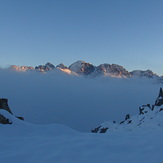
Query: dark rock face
99, 129
4, 120
4, 105
45, 67
62, 66
21, 118
95, 130
82, 68
88, 68
159, 100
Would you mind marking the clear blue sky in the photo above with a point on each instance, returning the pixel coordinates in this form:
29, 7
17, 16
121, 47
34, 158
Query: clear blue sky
125, 32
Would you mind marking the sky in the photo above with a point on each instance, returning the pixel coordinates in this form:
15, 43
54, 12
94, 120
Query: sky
128, 33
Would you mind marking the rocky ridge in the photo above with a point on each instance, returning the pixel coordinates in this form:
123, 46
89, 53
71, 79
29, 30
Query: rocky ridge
82, 68
112, 70
150, 117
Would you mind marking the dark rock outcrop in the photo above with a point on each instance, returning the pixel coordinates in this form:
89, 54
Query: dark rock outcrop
47, 67
4, 106
146, 114
99, 129
4, 120
159, 100
62, 66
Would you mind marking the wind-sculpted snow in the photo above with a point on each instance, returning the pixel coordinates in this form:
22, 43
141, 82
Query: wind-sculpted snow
27, 143
77, 102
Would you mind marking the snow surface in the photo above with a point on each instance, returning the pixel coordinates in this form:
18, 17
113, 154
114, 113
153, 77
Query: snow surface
27, 143
150, 119
76, 67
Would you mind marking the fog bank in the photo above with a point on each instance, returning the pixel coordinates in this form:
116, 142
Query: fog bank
78, 102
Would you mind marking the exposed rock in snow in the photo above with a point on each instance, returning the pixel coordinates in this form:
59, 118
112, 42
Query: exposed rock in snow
147, 74
47, 67
4, 120
159, 100
50, 66
21, 68
4, 107
150, 117
113, 70
62, 66
82, 68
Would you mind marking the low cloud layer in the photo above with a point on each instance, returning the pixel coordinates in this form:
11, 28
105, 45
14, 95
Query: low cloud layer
77, 102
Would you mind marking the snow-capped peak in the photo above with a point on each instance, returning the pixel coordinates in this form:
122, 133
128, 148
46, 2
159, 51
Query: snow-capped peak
82, 67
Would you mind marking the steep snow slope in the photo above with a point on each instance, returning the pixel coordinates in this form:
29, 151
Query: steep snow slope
149, 118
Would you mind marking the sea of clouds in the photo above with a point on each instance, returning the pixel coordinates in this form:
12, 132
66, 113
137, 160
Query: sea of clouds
77, 102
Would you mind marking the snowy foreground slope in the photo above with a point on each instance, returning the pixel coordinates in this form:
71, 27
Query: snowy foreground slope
25, 142
150, 117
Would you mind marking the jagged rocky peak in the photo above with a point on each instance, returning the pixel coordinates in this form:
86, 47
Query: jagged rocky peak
150, 116
21, 68
147, 74
112, 70
159, 100
48, 66
82, 68
62, 66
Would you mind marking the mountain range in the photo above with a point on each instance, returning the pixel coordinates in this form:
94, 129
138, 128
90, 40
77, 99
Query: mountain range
82, 68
